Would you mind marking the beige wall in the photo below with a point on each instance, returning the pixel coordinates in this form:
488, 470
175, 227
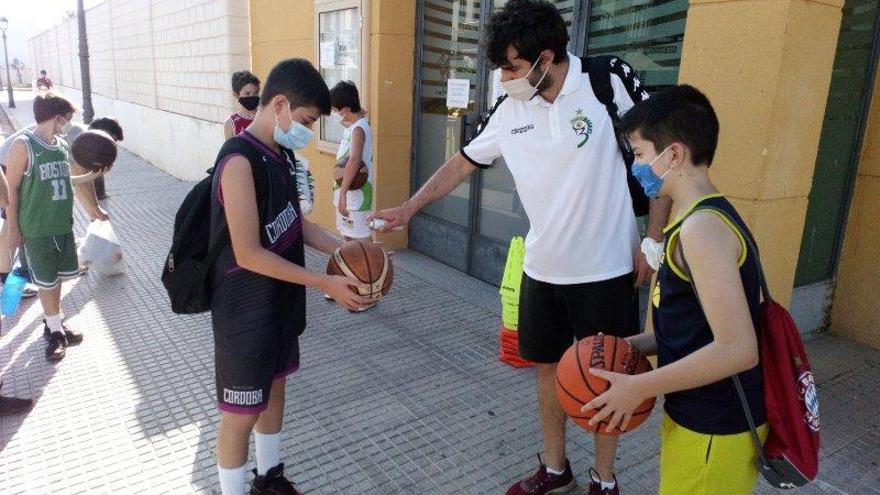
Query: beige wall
283, 29
158, 65
855, 312
770, 99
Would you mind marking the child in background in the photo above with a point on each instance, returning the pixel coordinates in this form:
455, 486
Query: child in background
246, 89
352, 206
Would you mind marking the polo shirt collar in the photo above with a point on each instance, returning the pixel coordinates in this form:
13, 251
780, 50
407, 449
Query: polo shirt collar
571, 84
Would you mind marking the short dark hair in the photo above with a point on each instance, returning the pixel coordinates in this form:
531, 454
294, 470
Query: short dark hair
345, 94
109, 125
50, 105
242, 78
299, 81
531, 26
43, 72
679, 113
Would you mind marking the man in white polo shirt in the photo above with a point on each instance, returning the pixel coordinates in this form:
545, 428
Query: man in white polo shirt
582, 260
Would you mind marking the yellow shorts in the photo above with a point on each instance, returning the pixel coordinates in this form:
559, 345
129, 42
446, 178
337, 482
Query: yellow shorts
699, 464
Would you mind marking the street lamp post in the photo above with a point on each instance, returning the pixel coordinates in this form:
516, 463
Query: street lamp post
4, 23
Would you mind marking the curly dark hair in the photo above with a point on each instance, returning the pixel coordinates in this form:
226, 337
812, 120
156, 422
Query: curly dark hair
242, 78
531, 26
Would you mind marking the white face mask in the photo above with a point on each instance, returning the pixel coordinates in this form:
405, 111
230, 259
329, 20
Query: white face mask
65, 128
521, 88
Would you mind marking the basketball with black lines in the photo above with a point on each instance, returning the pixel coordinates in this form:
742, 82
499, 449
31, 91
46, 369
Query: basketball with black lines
575, 386
94, 150
366, 262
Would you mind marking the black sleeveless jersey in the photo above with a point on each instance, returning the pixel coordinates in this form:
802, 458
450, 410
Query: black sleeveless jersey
245, 301
681, 328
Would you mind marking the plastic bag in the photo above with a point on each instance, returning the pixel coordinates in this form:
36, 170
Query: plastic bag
101, 249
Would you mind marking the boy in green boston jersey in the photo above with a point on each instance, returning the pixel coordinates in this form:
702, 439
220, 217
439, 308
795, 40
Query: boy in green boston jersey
40, 212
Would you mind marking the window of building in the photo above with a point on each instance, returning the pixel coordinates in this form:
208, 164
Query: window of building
340, 56
647, 34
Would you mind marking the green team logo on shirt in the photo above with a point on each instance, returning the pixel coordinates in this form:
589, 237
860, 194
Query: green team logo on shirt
582, 126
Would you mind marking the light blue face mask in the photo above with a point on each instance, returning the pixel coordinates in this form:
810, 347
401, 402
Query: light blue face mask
649, 181
296, 137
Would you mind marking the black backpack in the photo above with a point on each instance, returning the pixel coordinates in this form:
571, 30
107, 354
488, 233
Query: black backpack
601, 67
186, 275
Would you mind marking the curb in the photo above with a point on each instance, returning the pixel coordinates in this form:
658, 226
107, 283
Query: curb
16, 125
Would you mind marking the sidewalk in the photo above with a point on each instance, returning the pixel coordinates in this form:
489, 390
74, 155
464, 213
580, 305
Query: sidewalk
407, 398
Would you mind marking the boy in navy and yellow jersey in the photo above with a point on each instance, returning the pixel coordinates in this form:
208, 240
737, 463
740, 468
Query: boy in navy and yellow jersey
705, 307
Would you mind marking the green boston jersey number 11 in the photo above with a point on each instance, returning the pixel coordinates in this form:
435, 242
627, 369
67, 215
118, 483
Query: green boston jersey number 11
45, 205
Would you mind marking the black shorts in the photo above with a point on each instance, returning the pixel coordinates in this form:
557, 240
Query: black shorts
552, 316
256, 341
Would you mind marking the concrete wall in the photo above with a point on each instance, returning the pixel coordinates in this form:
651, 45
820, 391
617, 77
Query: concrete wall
162, 67
765, 163
283, 29
854, 311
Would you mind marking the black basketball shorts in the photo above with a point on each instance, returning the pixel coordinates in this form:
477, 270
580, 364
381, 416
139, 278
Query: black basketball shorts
255, 343
552, 316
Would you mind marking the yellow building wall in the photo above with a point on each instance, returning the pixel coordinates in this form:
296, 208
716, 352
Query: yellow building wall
283, 29
855, 312
766, 66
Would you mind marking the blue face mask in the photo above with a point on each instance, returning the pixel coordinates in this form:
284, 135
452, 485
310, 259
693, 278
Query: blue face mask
649, 181
296, 137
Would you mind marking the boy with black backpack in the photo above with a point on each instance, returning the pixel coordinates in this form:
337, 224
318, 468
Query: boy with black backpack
705, 307
258, 279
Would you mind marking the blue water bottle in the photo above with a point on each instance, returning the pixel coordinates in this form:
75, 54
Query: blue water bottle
11, 295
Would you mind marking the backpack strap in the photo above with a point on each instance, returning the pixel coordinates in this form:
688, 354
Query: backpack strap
599, 69
765, 291
236, 145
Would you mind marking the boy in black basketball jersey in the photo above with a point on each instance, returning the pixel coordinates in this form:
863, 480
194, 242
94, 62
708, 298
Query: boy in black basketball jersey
706, 443
258, 305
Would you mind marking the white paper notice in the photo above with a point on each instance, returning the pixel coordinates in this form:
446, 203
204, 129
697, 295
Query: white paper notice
328, 54
497, 88
458, 93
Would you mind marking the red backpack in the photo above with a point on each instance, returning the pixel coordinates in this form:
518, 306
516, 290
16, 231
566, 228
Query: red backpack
789, 457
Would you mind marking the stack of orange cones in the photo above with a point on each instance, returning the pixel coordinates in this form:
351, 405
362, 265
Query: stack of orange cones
509, 353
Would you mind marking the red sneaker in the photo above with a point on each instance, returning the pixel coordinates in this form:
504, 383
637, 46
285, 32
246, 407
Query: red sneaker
544, 483
596, 485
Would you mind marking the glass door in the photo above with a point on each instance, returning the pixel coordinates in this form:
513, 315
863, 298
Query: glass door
842, 131
448, 59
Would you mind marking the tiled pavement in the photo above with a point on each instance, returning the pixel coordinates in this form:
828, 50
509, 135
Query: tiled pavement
407, 398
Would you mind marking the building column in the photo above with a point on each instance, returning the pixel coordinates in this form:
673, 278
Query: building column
854, 311
766, 66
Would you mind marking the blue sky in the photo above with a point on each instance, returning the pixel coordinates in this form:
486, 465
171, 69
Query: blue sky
28, 18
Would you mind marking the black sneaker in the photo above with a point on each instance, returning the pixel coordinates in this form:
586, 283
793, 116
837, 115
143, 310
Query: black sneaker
73, 337
273, 483
596, 485
57, 348
545, 483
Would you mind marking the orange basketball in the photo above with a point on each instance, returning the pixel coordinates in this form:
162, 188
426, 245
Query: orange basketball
575, 386
366, 262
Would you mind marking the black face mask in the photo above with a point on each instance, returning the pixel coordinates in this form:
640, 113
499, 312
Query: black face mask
249, 102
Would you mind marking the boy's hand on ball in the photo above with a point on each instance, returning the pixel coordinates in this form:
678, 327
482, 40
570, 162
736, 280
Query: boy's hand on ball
344, 291
617, 404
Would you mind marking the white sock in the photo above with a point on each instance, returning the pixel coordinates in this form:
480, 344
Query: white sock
553, 471
54, 323
268, 448
232, 481
606, 485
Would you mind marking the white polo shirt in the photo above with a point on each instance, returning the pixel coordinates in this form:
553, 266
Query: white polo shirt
570, 176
